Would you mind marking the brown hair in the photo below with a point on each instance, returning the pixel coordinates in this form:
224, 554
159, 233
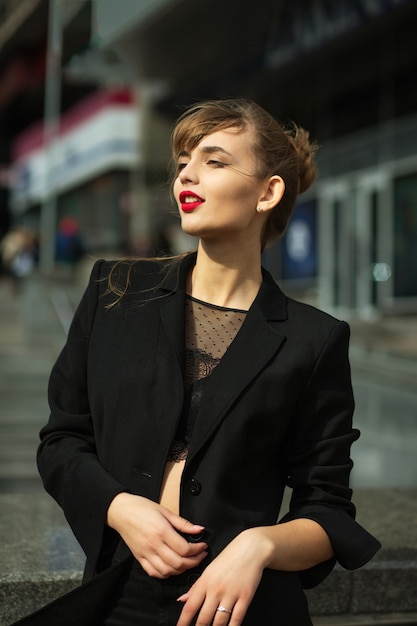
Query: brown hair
279, 150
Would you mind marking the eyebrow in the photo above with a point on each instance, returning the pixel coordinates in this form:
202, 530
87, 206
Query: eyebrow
211, 149
207, 150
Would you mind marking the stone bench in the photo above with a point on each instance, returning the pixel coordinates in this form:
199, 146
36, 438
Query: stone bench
41, 560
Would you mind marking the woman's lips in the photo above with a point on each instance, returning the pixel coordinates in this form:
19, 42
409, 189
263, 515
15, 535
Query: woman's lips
189, 201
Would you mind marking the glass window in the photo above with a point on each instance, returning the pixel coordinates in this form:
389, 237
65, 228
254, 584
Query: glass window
405, 236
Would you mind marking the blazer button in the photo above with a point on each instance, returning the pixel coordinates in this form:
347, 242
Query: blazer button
194, 538
194, 487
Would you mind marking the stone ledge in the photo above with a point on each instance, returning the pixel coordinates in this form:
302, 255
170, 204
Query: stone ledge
379, 588
20, 596
41, 560
390, 619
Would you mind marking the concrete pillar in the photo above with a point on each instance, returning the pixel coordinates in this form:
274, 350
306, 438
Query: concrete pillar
149, 181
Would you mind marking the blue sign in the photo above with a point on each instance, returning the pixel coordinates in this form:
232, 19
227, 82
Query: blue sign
299, 245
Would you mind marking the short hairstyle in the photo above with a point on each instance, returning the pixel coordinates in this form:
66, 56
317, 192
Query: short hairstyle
279, 150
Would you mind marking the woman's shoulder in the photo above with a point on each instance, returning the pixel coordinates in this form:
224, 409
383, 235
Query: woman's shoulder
132, 276
295, 312
125, 265
131, 268
309, 319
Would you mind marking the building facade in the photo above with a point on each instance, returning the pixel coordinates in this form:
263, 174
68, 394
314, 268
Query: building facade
345, 70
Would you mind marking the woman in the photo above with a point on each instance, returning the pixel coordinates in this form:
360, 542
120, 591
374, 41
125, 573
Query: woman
191, 391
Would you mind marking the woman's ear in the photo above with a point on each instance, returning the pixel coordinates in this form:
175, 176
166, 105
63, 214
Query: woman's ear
272, 195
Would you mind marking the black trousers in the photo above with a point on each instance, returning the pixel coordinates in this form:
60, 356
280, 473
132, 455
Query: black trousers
125, 596
148, 601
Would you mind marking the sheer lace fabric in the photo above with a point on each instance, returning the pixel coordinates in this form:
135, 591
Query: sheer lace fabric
209, 331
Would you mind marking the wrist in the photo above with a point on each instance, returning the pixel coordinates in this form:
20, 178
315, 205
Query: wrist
265, 546
116, 507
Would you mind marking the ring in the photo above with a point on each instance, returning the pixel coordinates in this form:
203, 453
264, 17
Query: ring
222, 609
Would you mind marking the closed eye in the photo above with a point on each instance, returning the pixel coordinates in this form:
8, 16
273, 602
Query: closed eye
216, 163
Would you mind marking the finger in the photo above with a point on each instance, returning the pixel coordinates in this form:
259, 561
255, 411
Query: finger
216, 613
183, 547
238, 613
167, 535
182, 553
157, 568
168, 563
191, 607
149, 568
183, 525
190, 562
209, 615
179, 545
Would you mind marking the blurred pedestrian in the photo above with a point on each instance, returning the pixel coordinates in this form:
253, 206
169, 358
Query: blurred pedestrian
69, 245
191, 392
19, 251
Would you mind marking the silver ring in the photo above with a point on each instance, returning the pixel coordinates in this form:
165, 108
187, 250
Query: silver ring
222, 609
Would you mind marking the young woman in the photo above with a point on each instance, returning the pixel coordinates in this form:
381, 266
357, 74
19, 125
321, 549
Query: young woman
191, 392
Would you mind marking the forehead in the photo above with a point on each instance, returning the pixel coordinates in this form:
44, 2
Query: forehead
236, 141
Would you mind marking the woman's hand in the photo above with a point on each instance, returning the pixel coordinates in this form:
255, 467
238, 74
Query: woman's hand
152, 534
230, 581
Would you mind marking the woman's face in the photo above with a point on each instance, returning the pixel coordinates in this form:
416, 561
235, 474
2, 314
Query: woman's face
216, 188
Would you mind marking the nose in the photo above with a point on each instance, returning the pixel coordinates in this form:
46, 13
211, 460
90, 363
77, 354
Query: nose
188, 173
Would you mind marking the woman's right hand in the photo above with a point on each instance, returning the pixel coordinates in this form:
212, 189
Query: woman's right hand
152, 533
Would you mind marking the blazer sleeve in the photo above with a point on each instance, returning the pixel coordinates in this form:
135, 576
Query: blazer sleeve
318, 463
67, 458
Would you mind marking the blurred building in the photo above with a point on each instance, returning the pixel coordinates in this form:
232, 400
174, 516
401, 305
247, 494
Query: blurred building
87, 167
344, 70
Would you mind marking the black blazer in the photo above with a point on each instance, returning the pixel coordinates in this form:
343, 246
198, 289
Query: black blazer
276, 411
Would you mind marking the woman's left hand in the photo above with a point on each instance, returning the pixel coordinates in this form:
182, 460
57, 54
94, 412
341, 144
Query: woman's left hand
230, 582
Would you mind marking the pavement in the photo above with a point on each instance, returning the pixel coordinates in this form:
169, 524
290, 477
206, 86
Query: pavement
26, 358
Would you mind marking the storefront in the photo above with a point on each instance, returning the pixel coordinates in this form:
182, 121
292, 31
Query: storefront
368, 222
87, 168
350, 247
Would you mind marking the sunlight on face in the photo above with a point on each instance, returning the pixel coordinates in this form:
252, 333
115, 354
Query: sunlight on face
216, 188
231, 147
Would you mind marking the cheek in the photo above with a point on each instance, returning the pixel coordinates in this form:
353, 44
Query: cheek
233, 189
244, 196
175, 190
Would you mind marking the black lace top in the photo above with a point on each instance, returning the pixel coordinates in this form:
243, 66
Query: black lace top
209, 331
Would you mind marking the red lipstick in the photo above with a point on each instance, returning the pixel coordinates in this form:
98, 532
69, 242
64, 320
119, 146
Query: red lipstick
189, 201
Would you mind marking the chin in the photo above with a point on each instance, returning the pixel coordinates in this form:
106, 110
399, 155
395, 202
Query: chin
191, 229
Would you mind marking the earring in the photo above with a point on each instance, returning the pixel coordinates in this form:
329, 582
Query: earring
259, 209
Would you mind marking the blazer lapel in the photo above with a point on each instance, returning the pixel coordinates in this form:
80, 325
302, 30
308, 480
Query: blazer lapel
258, 341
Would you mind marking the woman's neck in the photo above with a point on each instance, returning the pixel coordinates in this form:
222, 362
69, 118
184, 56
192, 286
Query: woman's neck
226, 278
